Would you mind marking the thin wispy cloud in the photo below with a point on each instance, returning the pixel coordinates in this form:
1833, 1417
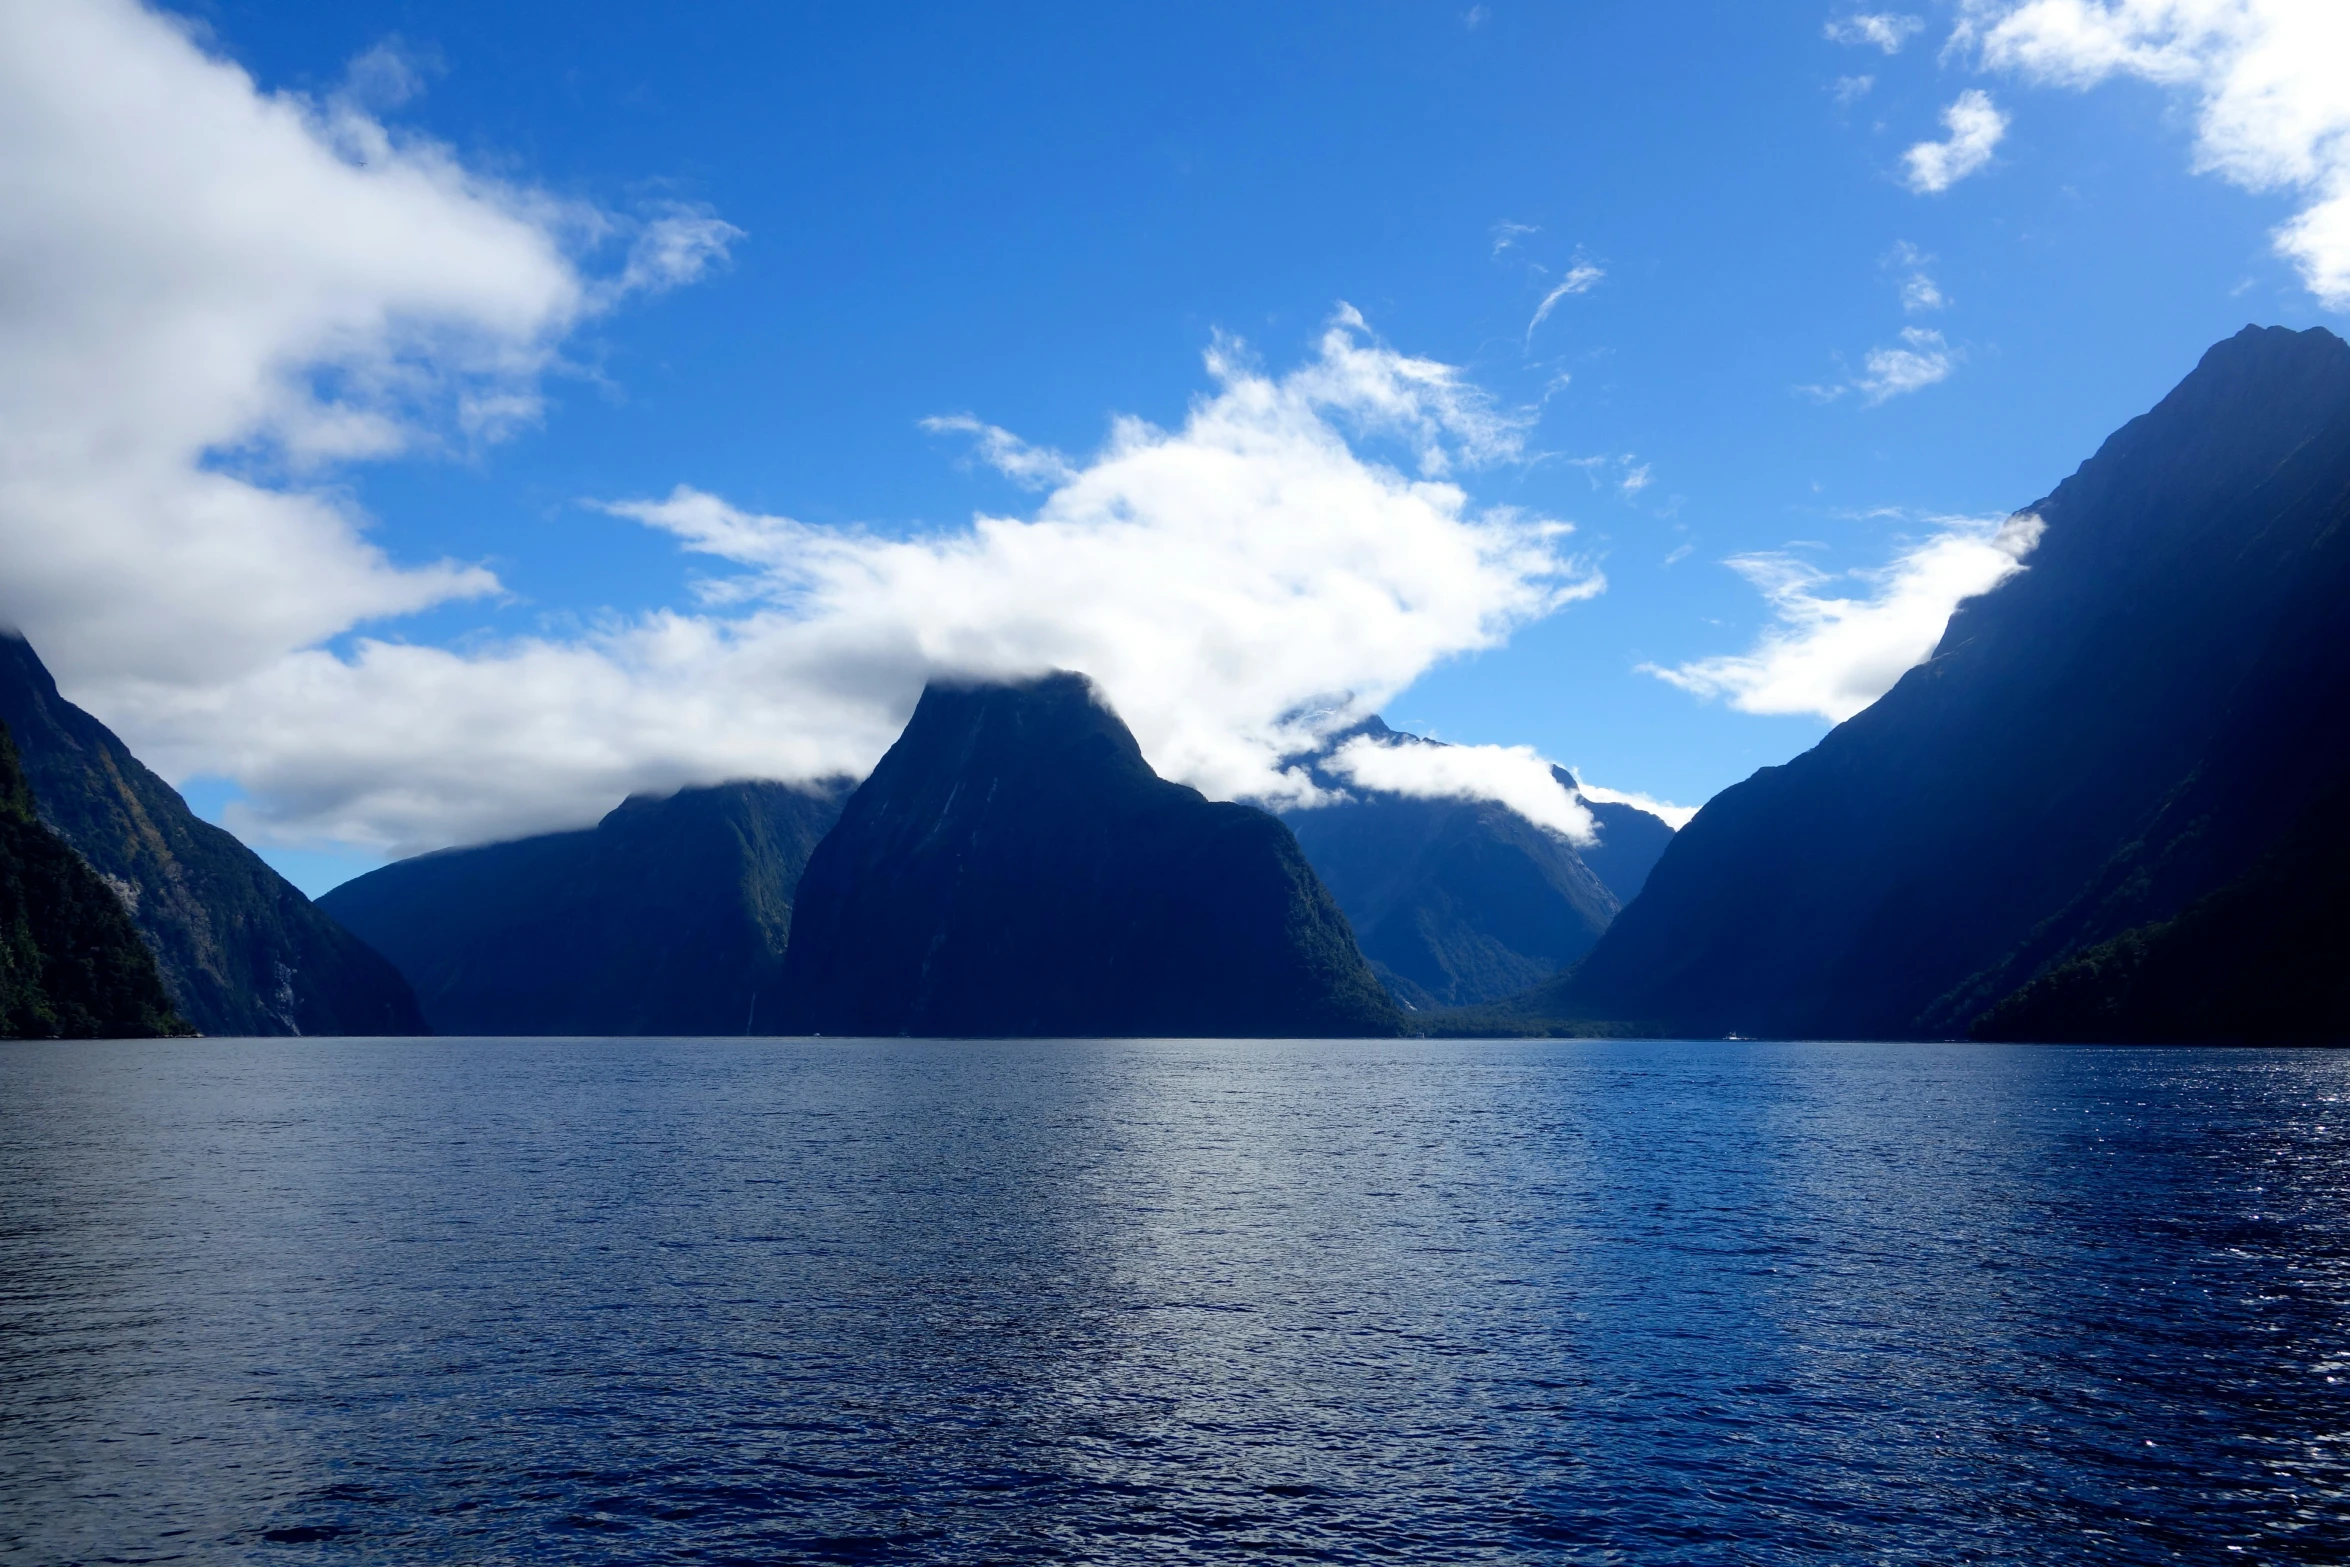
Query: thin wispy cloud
1920, 293
1884, 30
1506, 235
1620, 471
1581, 278
1831, 652
1918, 290
1849, 90
1976, 126
1031, 467
2270, 80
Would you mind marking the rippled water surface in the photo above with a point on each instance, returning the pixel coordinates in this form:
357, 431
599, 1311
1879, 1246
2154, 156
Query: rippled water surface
637, 1301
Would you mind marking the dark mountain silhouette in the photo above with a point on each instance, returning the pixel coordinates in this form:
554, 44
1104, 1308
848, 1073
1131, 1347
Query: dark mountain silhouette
241, 951
1456, 902
72, 965
1014, 867
670, 916
2119, 731
2266, 957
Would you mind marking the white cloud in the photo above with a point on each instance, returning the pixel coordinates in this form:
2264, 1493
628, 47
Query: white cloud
1030, 467
1506, 234
1920, 292
1849, 90
2272, 80
1831, 656
209, 296
1975, 125
678, 247
1923, 359
1581, 278
1218, 580
1673, 816
1880, 29
1511, 774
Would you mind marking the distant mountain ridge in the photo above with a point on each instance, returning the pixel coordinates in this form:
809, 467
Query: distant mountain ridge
1461, 901
239, 948
2117, 732
670, 916
1014, 867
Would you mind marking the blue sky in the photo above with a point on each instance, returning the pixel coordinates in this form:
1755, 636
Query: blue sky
1042, 216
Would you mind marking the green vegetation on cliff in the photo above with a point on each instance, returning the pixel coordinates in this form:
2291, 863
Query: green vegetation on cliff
72, 965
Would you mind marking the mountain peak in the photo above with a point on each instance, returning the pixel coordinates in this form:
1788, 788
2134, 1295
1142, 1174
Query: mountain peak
1013, 866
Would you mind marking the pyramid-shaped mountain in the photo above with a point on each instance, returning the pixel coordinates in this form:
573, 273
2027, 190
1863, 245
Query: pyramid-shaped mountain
241, 950
2125, 728
670, 916
1014, 867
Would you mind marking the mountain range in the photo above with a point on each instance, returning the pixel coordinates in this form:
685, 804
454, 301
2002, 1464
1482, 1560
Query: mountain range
2113, 804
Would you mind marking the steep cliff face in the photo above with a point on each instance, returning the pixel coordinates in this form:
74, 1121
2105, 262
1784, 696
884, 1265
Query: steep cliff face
2108, 737
1014, 867
670, 916
241, 951
72, 965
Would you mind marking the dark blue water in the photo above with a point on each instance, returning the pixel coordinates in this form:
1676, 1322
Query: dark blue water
696, 1301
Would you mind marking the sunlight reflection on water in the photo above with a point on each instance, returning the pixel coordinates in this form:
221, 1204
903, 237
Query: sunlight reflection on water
654, 1300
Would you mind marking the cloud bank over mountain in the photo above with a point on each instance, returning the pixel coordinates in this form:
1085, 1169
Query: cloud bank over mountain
1237, 586
213, 299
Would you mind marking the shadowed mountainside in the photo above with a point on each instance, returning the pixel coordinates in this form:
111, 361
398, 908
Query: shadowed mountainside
2118, 731
1458, 901
72, 965
1014, 867
241, 951
670, 916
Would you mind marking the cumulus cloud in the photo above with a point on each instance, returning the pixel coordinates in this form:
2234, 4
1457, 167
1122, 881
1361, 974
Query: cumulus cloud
1879, 29
210, 296
213, 299
1239, 587
1976, 125
1511, 774
1922, 359
1831, 655
2271, 79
